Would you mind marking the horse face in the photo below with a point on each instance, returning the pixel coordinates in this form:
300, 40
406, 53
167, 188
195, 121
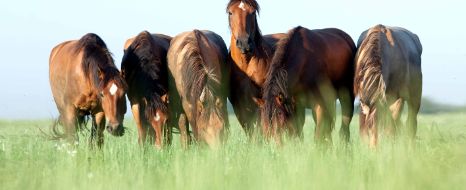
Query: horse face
114, 107
242, 18
280, 114
160, 116
211, 120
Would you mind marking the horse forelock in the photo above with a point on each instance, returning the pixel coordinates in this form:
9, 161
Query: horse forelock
252, 3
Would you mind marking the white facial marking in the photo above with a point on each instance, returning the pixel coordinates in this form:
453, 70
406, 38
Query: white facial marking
157, 117
113, 89
241, 6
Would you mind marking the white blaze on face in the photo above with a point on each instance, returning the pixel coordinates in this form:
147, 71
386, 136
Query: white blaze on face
113, 89
157, 117
241, 6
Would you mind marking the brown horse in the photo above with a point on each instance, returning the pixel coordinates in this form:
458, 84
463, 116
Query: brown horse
250, 57
198, 81
388, 73
85, 81
144, 67
310, 69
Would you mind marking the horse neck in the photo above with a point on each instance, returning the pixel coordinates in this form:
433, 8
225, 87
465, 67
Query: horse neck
255, 66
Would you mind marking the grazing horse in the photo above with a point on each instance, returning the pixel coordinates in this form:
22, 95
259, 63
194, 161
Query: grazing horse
250, 57
198, 83
144, 67
310, 69
85, 81
388, 73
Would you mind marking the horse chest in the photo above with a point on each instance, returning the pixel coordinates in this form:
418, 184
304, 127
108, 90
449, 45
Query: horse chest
87, 102
255, 70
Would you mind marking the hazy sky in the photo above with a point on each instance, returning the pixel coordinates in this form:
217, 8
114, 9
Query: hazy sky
30, 29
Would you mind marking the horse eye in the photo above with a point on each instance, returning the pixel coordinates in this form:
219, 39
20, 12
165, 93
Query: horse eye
101, 94
229, 13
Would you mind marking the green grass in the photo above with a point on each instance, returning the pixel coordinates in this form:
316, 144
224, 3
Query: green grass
437, 161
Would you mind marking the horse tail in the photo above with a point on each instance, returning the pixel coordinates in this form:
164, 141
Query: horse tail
368, 81
276, 83
56, 133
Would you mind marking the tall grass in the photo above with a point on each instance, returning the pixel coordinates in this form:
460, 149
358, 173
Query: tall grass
436, 161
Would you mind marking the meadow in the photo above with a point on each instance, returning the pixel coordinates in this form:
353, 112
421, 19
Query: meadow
437, 160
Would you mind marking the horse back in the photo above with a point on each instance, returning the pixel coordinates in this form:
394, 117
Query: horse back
65, 73
322, 54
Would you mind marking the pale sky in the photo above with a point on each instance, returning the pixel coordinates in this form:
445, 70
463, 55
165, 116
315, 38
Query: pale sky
30, 29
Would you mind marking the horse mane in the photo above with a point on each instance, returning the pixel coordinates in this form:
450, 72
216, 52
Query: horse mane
97, 60
368, 81
276, 82
200, 79
142, 64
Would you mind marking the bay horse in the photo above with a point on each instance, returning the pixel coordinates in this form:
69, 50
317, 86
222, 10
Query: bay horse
144, 68
388, 73
249, 58
85, 81
198, 84
310, 69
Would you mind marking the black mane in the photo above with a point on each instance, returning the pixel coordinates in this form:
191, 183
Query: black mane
146, 71
199, 78
276, 83
97, 62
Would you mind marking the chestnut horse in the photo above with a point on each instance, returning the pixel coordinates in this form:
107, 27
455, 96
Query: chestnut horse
310, 69
85, 81
250, 57
144, 67
198, 83
388, 73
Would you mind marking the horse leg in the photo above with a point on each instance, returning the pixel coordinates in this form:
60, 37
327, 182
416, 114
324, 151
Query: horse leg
142, 132
184, 133
69, 120
395, 108
346, 98
363, 128
100, 124
413, 109
300, 119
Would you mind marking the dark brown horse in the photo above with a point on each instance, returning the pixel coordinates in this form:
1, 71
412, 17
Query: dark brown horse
198, 85
310, 69
85, 81
144, 67
388, 73
250, 57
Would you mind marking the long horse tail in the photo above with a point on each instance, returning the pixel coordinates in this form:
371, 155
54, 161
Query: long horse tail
56, 133
276, 83
368, 81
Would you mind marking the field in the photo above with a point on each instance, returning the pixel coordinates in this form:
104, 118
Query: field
437, 161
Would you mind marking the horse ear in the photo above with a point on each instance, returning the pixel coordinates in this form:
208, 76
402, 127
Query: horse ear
279, 99
164, 98
259, 101
101, 74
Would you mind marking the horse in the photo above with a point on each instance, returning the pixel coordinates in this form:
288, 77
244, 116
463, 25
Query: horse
388, 73
144, 68
249, 59
85, 81
310, 69
198, 86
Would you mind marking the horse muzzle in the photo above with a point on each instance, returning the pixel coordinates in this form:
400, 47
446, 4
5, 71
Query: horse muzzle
246, 46
116, 129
